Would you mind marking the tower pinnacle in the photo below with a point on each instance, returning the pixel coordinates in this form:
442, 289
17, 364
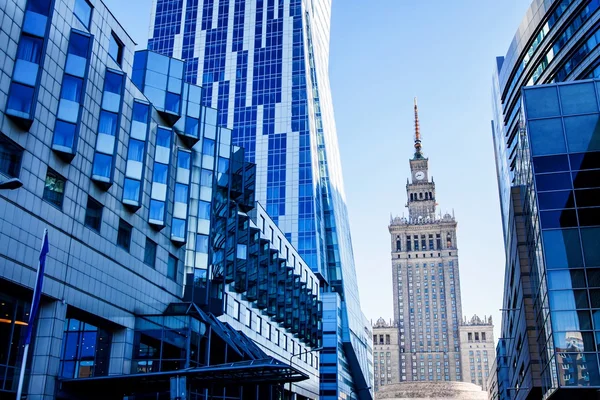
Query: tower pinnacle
418, 153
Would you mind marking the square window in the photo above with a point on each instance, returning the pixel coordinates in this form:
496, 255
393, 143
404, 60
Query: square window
140, 112
202, 244
172, 267
30, 49
124, 235
173, 102
163, 137
64, 134
191, 126
150, 253
93, 214
131, 190
20, 100
10, 157
83, 12
135, 152
108, 123
54, 188
71, 88
157, 210
102, 166
115, 48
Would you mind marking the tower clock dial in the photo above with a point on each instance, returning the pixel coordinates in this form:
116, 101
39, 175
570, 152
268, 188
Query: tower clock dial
419, 175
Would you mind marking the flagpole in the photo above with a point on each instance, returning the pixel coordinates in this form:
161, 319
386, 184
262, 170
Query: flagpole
33, 311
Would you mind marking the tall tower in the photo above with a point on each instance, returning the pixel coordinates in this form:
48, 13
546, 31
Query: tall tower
264, 65
427, 306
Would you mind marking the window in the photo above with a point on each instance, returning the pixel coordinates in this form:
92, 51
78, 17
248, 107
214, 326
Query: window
30, 49
203, 210
64, 134
86, 350
108, 123
20, 100
115, 48
202, 244
172, 102
172, 268
83, 12
54, 188
124, 235
10, 157
71, 88
150, 253
93, 214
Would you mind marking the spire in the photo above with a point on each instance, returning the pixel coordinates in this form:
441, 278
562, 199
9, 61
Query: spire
418, 153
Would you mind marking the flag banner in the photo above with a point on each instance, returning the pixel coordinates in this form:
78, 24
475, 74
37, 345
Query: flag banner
37, 291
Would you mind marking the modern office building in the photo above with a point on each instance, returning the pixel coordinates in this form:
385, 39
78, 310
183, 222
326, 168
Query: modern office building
425, 276
386, 353
478, 350
556, 42
161, 262
264, 66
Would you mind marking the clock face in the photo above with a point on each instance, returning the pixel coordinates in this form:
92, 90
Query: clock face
419, 175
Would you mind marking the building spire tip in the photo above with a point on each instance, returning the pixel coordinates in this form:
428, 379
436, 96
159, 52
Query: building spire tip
418, 153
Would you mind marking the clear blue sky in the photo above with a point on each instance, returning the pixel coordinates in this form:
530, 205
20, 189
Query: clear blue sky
382, 55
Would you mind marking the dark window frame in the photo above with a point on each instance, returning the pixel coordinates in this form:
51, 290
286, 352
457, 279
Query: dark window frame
87, 25
7, 143
87, 218
150, 244
172, 275
120, 48
124, 228
45, 196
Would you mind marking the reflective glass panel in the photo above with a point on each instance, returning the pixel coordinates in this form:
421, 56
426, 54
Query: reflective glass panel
20, 99
183, 159
203, 210
173, 102
556, 200
558, 219
550, 164
586, 179
567, 279
579, 98
115, 49
157, 210
590, 238
562, 248
113, 82
136, 150
108, 123
10, 157
163, 137
30, 49
546, 137
202, 243
178, 228
208, 147
71, 88
131, 189
583, 133
83, 11
102, 165
553, 182
585, 161
181, 193
140, 112
191, 126
160, 173
79, 44
589, 216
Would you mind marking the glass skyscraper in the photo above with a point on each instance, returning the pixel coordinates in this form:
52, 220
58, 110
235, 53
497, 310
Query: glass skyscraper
264, 65
545, 147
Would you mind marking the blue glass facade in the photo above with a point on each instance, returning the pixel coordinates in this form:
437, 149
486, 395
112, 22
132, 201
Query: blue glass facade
537, 132
263, 65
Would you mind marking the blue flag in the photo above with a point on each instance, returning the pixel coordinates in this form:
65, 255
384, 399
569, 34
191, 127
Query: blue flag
37, 291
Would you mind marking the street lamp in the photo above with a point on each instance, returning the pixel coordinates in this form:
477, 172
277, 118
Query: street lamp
298, 355
11, 184
358, 390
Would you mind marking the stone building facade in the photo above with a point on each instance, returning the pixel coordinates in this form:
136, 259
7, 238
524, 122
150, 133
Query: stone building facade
478, 350
386, 353
426, 285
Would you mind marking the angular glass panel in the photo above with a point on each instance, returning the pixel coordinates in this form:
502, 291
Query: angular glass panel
578, 98
173, 103
541, 102
585, 161
583, 133
562, 249
181, 193
550, 164
64, 134
174, 85
191, 126
204, 210
547, 137
39, 6
71, 88
163, 138
140, 112
567, 279
157, 210
79, 44
571, 320
35, 23
176, 69
26, 72
113, 82
590, 238
558, 219
68, 110
83, 11
108, 123
202, 243
115, 48
158, 62
589, 216
553, 182
136, 150
155, 96
102, 165
208, 147
206, 178
131, 190
184, 159
178, 228
160, 173
556, 200
586, 179
156, 80
20, 100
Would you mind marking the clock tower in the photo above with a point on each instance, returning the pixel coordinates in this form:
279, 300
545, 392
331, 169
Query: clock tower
420, 190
